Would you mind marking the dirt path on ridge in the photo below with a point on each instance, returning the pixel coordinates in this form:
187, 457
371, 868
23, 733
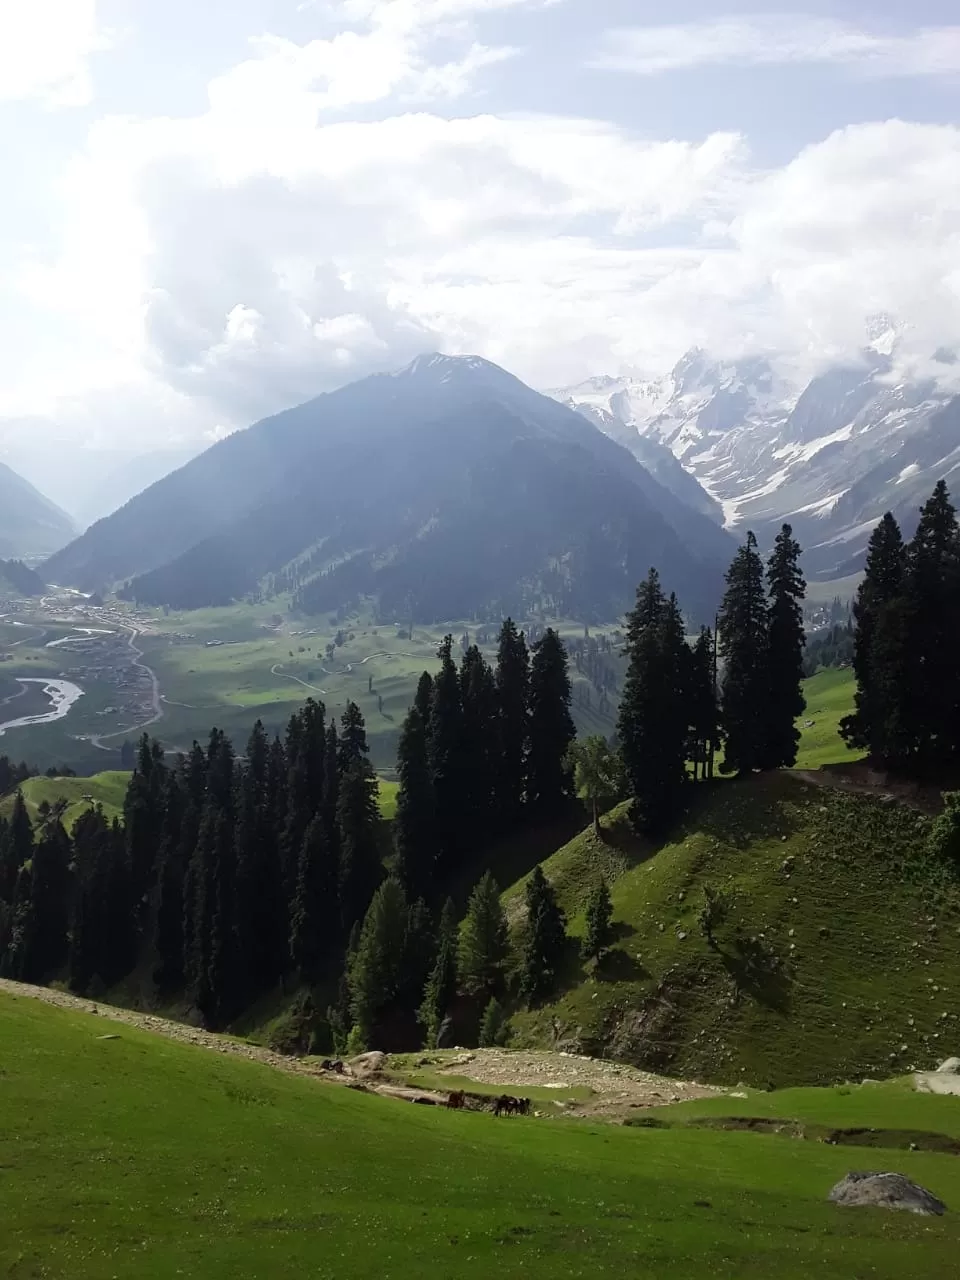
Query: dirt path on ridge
616, 1089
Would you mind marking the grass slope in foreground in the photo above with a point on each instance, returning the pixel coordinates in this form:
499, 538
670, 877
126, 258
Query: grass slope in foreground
106, 789
837, 960
138, 1156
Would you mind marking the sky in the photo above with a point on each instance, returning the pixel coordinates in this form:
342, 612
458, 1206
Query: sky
213, 211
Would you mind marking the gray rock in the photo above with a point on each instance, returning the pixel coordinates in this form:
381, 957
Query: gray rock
951, 1066
886, 1191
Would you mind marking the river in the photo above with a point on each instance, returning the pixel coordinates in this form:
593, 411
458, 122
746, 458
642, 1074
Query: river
62, 694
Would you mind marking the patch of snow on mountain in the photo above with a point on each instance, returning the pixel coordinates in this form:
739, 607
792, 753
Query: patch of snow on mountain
907, 472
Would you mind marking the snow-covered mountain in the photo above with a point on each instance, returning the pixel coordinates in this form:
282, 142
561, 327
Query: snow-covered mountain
830, 456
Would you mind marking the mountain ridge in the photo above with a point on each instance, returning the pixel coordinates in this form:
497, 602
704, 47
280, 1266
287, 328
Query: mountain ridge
820, 455
445, 488
30, 523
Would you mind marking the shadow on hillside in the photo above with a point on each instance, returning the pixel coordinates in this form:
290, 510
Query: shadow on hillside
757, 973
619, 966
741, 811
514, 857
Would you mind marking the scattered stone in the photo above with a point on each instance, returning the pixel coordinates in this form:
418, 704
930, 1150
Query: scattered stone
108, 1037
886, 1191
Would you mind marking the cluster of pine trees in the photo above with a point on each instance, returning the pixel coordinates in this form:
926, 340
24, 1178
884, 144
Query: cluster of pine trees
907, 617
675, 713
230, 876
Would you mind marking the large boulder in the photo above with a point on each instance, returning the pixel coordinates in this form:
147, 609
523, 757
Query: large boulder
368, 1064
951, 1066
886, 1191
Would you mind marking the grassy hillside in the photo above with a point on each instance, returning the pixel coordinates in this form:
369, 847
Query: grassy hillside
130, 1155
829, 696
107, 789
837, 959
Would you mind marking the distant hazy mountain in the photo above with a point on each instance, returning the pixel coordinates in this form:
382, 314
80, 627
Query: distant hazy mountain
830, 456
445, 491
30, 524
15, 576
120, 477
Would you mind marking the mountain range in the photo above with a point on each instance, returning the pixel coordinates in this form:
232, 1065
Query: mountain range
830, 456
30, 524
447, 490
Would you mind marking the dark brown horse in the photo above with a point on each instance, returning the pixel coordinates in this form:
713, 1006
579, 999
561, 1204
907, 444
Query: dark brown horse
457, 1101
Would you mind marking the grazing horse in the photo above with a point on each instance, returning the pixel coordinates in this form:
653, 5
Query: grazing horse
507, 1106
457, 1101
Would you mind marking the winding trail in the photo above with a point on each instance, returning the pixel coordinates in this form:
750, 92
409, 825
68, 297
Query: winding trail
97, 740
276, 669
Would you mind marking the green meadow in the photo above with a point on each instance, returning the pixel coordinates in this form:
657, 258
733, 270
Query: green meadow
126, 1155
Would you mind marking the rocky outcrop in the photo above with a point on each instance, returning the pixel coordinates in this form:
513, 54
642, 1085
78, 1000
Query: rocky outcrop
886, 1191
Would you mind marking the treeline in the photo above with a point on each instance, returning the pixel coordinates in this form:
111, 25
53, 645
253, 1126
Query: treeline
676, 712
907, 619
229, 877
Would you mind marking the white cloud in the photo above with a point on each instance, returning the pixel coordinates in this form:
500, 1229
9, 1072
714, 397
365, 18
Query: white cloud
216, 268
45, 47
778, 39
393, 52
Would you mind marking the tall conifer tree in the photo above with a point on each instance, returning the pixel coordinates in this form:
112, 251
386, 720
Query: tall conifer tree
446, 753
785, 642
653, 721
513, 697
743, 627
551, 725
545, 942
933, 620
415, 823
881, 721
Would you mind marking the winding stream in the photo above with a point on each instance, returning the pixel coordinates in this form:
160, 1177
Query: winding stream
62, 694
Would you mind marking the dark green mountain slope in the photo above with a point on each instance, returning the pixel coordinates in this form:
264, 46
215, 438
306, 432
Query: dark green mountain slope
30, 524
447, 490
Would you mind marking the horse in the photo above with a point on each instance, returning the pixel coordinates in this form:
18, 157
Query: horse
457, 1101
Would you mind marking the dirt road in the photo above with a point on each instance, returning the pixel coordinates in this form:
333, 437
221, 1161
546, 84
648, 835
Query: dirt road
617, 1091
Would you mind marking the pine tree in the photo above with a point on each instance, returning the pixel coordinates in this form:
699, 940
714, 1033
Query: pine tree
143, 819
599, 913
785, 641
376, 973
424, 696
102, 940
353, 737
358, 821
551, 725
46, 940
171, 857
743, 628
597, 774
483, 939
513, 697
880, 722
546, 939
419, 953
314, 916
652, 725
446, 754
703, 709
478, 694
16, 848
932, 606
414, 826
493, 1026
261, 911
441, 987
